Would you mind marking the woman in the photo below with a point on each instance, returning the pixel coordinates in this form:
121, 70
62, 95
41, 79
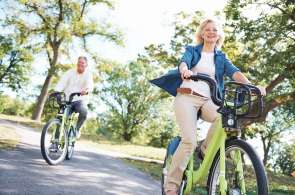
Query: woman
192, 96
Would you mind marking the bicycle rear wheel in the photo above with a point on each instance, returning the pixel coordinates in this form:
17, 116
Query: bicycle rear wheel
71, 145
244, 171
54, 143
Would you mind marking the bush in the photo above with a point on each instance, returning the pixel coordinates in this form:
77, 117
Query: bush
12, 106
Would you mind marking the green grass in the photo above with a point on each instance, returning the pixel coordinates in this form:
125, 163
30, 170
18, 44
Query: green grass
22, 120
131, 149
8, 138
281, 184
154, 169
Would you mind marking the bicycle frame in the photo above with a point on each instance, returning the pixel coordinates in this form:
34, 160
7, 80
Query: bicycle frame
217, 143
65, 117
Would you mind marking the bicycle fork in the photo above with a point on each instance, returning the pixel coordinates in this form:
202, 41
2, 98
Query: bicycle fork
239, 171
222, 180
58, 132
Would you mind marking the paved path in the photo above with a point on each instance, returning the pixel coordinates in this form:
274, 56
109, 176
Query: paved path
91, 171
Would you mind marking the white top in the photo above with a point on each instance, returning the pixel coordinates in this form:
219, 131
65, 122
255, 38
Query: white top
205, 66
73, 82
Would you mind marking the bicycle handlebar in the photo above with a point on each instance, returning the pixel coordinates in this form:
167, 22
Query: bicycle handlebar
60, 97
212, 85
251, 89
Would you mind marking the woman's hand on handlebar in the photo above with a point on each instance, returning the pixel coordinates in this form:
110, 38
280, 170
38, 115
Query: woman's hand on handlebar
240, 77
184, 71
186, 74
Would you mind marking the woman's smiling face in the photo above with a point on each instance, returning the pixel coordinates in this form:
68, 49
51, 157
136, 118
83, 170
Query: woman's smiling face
210, 33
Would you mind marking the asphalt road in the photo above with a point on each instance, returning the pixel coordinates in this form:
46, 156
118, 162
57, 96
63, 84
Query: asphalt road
91, 171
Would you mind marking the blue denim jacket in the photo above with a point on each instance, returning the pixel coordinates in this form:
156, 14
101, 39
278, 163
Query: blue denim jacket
172, 80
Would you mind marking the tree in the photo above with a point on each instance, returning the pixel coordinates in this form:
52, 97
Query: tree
286, 160
50, 27
14, 64
267, 47
13, 106
130, 99
271, 131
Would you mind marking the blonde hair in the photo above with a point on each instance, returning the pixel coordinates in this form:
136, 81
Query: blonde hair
199, 39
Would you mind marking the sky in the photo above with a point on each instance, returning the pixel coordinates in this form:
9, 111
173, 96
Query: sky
147, 21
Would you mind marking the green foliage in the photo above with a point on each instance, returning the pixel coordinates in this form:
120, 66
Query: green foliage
161, 127
14, 64
129, 97
271, 131
134, 112
286, 160
51, 28
264, 30
56, 23
12, 106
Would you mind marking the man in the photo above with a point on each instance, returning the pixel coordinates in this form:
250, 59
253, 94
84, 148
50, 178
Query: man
75, 80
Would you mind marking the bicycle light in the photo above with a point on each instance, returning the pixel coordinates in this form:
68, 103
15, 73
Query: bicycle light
230, 122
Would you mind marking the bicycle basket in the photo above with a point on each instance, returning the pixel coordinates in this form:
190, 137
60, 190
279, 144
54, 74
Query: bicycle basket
245, 100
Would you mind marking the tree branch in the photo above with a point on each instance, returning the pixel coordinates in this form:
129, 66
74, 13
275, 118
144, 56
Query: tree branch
60, 18
12, 62
274, 83
292, 16
270, 105
48, 56
83, 9
38, 12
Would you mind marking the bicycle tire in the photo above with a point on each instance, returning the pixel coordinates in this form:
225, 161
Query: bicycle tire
258, 168
71, 144
44, 152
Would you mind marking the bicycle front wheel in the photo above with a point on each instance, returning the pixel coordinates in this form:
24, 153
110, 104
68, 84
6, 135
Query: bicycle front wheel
244, 171
54, 142
71, 145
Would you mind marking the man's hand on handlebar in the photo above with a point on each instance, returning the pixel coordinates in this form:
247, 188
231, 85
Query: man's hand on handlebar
84, 92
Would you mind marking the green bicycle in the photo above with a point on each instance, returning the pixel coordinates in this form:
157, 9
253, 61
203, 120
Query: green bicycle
59, 134
231, 164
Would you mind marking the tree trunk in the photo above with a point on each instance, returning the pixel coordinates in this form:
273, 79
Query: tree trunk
42, 99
